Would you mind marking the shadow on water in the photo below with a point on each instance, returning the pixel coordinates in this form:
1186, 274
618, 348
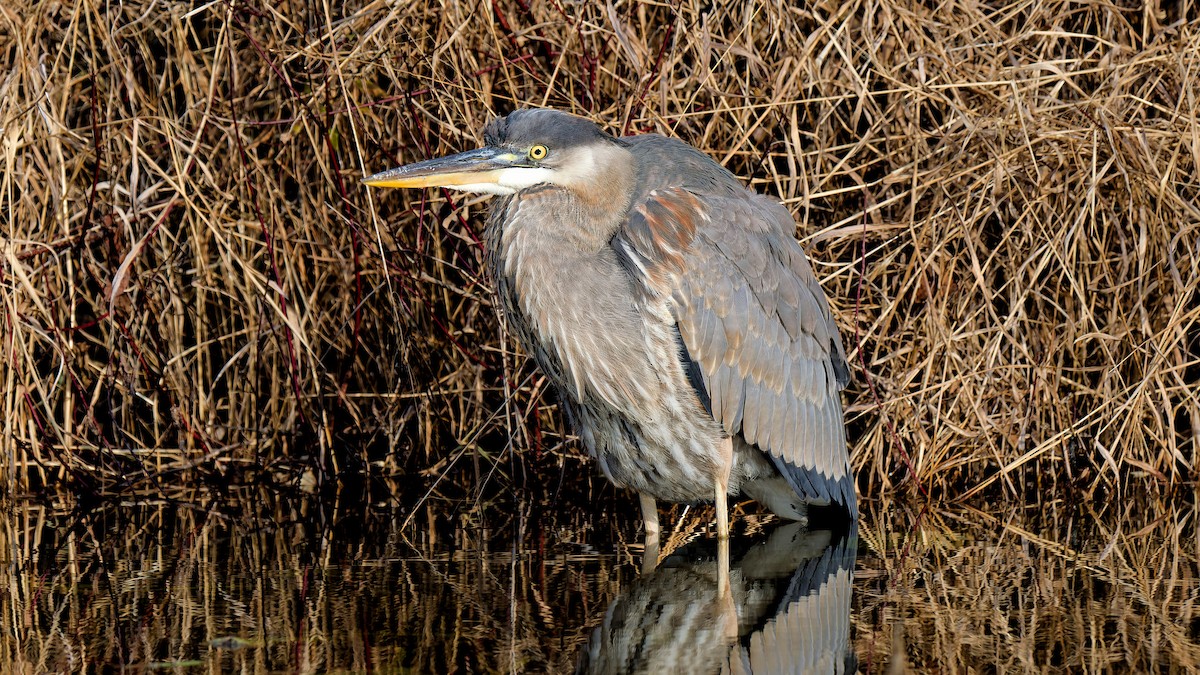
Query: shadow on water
260, 582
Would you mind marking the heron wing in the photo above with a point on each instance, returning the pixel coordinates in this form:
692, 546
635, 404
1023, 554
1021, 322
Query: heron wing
754, 322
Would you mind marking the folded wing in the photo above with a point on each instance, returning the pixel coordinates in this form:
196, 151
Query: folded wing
755, 324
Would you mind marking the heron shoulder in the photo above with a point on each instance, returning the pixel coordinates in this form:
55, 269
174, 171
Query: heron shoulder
732, 255
670, 163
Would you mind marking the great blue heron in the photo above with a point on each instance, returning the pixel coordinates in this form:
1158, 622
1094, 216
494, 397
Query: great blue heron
672, 308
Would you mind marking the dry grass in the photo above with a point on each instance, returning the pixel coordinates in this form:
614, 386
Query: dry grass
1000, 198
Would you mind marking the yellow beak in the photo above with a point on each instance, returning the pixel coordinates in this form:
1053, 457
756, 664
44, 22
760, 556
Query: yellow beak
473, 167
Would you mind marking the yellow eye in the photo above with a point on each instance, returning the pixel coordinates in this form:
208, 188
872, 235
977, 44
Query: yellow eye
538, 152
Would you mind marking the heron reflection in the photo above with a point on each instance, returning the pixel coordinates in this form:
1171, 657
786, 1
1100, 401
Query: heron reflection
786, 609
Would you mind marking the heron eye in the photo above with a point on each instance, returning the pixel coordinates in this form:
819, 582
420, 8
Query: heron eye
538, 152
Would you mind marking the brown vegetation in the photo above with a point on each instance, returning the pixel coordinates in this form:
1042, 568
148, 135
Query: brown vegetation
1000, 199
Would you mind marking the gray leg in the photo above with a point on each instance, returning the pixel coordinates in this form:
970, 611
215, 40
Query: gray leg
649, 515
724, 591
653, 532
721, 487
722, 511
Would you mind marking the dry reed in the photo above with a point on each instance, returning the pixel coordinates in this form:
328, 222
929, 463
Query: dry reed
1000, 198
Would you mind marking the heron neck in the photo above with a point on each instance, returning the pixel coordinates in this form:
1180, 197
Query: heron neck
597, 196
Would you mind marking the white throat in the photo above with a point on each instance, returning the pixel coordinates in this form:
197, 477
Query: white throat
509, 181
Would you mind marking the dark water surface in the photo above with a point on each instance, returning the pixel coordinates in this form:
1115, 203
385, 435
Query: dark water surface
259, 582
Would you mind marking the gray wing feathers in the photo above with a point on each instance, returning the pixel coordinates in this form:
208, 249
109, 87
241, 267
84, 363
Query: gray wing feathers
754, 318
810, 631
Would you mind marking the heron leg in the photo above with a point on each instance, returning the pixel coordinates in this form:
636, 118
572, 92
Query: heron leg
724, 591
722, 512
649, 515
722, 488
650, 519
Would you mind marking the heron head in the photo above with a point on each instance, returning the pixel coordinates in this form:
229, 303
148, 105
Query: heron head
527, 148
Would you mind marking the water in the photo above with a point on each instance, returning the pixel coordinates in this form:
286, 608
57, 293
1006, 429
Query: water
263, 582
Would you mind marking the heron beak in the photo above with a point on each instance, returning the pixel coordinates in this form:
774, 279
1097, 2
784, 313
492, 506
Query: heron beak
471, 168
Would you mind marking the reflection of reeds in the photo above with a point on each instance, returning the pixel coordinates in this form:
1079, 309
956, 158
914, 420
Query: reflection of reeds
314, 588
1052, 592
194, 283
141, 584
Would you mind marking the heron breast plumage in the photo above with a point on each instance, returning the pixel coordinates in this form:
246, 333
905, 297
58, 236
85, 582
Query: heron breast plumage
613, 355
